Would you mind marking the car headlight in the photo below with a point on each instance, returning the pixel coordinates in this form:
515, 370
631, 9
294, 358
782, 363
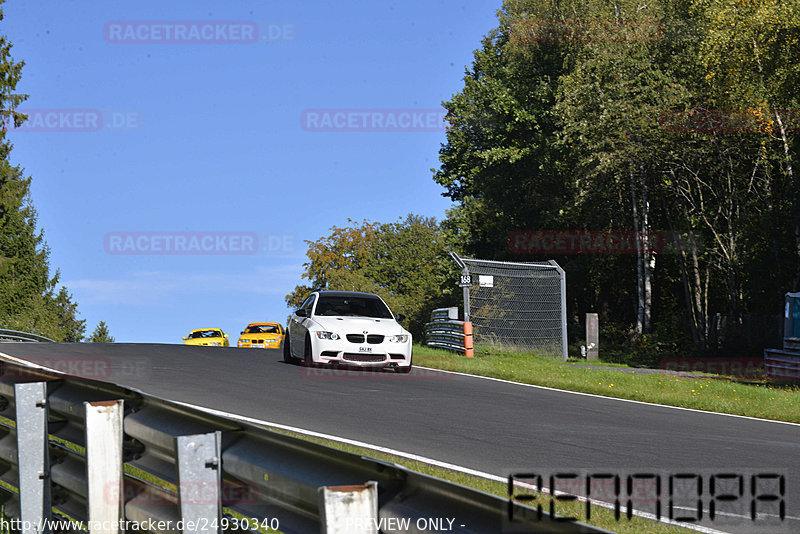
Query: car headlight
327, 335
401, 338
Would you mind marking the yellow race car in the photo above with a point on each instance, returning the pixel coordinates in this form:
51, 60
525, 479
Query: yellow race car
212, 337
262, 336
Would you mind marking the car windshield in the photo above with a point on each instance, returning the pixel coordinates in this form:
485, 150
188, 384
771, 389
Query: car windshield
262, 329
353, 307
205, 333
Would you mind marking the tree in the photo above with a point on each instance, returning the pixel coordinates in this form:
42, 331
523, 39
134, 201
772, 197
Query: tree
28, 297
101, 334
406, 263
750, 58
345, 249
597, 115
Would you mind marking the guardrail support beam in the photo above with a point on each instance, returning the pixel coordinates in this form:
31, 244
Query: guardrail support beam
348, 509
33, 456
104, 465
199, 482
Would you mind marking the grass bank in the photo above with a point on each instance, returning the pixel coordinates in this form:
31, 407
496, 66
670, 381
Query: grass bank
700, 392
598, 517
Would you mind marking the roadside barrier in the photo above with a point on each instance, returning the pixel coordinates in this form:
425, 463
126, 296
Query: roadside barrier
445, 331
98, 458
15, 335
784, 364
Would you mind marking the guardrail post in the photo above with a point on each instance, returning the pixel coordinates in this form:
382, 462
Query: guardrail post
33, 458
104, 465
199, 481
468, 346
348, 509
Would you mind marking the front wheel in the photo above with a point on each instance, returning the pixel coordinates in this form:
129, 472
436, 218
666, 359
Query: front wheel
308, 361
404, 369
287, 352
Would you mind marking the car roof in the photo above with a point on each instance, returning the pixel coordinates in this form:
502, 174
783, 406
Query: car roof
201, 329
346, 294
263, 324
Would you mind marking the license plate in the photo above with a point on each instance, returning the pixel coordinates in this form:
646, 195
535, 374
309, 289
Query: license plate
364, 349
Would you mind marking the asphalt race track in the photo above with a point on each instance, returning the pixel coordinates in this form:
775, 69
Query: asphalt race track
489, 426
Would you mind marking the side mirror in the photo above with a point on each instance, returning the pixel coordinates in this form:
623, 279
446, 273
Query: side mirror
184, 339
241, 333
399, 317
301, 313
226, 336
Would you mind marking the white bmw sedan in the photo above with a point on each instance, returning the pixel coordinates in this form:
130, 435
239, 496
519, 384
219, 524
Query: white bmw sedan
347, 328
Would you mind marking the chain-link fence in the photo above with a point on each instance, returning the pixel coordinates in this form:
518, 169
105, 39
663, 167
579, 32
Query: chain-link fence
516, 304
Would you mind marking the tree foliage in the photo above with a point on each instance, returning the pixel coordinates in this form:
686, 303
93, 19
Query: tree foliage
674, 116
30, 299
101, 334
405, 262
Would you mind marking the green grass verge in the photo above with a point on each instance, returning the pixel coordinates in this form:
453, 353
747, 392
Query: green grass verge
599, 516
704, 392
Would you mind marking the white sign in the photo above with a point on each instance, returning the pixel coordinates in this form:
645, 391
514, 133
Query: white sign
485, 280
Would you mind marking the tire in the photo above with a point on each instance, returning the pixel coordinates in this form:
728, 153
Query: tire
404, 369
287, 351
308, 361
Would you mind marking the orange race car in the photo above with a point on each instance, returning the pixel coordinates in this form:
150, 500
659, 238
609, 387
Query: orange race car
262, 336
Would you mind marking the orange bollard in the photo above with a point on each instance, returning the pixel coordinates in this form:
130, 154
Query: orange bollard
468, 349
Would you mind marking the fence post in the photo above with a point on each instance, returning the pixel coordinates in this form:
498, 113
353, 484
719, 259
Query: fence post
33, 456
104, 465
347, 509
562, 274
199, 479
468, 346
592, 336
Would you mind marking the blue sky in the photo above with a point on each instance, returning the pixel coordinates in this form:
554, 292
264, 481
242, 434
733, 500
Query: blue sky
157, 138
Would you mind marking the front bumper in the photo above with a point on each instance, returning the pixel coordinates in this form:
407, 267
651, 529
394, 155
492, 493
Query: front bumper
377, 355
259, 343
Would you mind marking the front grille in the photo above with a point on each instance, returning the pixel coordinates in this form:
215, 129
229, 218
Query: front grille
355, 338
374, 338
354, 357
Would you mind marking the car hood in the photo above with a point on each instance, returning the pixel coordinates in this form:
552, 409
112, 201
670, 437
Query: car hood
357, 325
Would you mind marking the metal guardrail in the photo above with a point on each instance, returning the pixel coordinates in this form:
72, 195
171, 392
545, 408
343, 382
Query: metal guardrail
445, 331
784, 364
15, 335
63, 454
